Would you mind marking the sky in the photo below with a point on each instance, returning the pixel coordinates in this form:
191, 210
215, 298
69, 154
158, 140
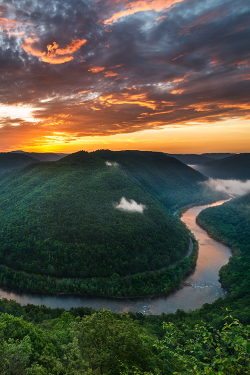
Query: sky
162, 75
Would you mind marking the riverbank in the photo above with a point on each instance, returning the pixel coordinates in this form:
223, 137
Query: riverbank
151, 283
200, 283
156, 283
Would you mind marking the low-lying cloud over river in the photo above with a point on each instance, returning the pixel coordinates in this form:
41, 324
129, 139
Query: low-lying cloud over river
229, 186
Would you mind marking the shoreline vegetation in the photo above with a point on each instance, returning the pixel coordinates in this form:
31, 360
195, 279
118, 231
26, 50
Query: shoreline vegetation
146, 284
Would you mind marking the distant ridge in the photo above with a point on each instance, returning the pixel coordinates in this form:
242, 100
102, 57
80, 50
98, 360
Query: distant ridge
232, 167
9, 161
42, 156
196, 159
218, 155
191, 158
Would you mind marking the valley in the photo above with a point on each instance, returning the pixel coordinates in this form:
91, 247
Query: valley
94, 252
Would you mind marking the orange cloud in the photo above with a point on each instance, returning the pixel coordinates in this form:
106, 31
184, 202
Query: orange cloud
160, 18
176, 92
54, 55
12, 27
179, 56
141, 6
96, 108
83, 92
96, 69
125, 98
110, 74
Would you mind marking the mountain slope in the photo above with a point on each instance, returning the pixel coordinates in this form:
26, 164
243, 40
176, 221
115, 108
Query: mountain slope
59, 218
42, 156
233, 167
217, 156
231, 221
9, 161
191, 158
172, 183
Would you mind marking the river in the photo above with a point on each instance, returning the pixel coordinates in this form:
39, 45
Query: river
203, 287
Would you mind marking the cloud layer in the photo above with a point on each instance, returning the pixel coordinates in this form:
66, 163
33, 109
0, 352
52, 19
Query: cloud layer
130, 206
102, 67
237, 187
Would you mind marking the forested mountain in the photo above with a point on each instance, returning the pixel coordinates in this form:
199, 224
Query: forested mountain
232, 167
9, 160
218, 155
173, 183
196, 159
42, 156
41, 340
60, 218
231, 221
191, 158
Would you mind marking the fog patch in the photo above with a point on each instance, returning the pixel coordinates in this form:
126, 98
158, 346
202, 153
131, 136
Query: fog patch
130, 206
111, 163
237, 187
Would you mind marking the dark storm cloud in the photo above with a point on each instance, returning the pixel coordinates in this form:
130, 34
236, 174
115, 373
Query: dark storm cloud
107, 67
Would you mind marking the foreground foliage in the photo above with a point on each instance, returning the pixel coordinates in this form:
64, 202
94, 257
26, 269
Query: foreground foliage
83, 341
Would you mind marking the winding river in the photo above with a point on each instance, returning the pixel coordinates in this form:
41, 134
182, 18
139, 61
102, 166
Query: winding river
201, 287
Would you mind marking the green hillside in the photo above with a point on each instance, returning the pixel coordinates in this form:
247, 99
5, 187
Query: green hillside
9, 161
59, 219
173, 183
231, 223
232, 167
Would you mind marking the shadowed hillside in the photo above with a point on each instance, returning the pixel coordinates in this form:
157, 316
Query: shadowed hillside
9, 161
233, 167
191, 158
60, 218
173, 183
42, 156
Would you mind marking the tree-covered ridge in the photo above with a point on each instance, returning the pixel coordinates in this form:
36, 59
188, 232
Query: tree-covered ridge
232, 167
173, 183
9, 161
140, 284
59, 219
231, 223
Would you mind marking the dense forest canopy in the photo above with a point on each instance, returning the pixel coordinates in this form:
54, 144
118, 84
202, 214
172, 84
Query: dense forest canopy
59, 218
40, 340
173, 183
97, 215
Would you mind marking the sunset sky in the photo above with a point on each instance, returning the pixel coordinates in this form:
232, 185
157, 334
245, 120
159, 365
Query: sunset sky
163, 75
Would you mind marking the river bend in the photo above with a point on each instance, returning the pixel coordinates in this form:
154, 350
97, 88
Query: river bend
201, 287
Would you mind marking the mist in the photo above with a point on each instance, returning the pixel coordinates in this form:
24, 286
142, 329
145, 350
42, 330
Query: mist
130, 206
112, 164
229, 186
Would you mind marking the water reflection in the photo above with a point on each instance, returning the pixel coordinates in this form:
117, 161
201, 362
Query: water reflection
201, 287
